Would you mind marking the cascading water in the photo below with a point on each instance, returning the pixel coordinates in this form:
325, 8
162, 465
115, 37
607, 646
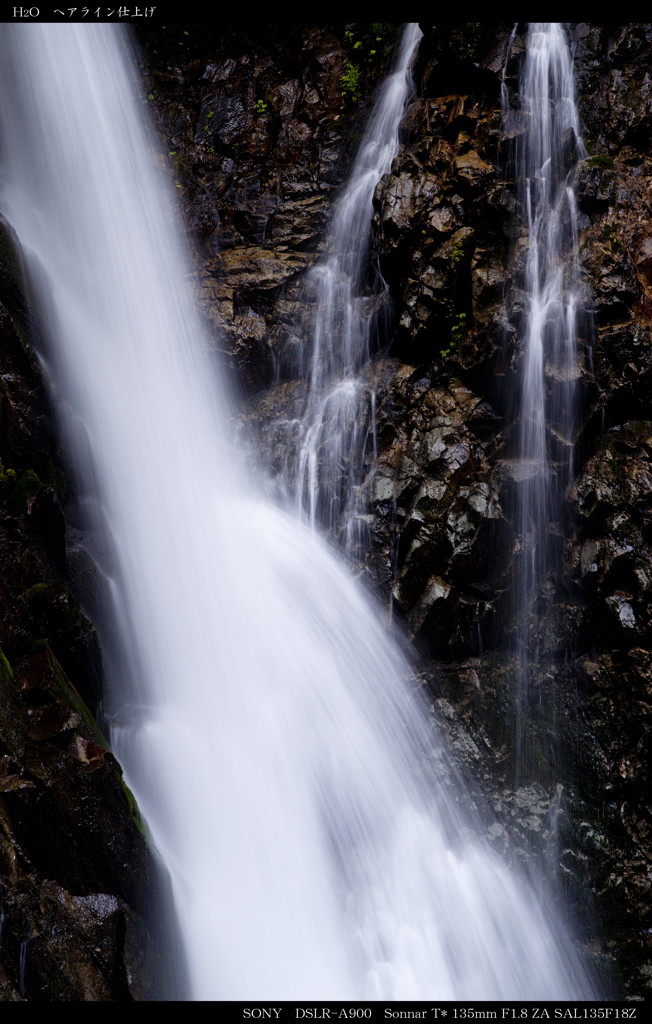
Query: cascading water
547, 157
262, 715
332, 443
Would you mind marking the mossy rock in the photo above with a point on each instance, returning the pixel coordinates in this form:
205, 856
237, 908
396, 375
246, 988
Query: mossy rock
13, 721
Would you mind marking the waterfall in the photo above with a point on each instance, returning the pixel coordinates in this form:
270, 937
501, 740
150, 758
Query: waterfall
547, 157
291, 779
331, 445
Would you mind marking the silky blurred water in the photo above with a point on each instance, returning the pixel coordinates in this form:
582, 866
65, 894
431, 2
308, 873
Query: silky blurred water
547, 159
331, 445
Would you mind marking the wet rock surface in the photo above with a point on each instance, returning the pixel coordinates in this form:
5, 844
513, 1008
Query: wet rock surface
258, 126
77, 879
445, 214
454, 568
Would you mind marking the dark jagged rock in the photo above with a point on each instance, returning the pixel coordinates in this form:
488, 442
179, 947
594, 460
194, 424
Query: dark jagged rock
443, 234
77, 879
259, 129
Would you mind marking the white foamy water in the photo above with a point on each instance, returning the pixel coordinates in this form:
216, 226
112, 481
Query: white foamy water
265, 720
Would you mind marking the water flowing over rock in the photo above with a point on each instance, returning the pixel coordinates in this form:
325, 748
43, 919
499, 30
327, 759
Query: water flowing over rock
542, 437
331, 444
258, 132
328, 860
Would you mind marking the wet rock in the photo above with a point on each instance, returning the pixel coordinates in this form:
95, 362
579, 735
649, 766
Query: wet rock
454, 473
258, 133
76, 875
244, 269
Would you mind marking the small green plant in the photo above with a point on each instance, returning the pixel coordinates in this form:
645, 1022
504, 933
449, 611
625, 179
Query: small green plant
457, 324
457, 254
384, 33
351, 83
363, 54
460, 249
458, 329
260, 107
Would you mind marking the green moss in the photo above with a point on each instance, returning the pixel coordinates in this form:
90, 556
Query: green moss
13, 722
62, 684
600, 160
457, 254
38, 595
7, 479
134, 810
6, 674
608, 235
27, 486
19, 487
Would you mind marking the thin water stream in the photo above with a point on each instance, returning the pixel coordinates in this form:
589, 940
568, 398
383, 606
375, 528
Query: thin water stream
331, 445
551, 364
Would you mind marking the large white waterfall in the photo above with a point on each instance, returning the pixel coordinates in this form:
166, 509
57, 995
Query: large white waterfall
264, 719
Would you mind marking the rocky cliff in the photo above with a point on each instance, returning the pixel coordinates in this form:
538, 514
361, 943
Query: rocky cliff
80, 895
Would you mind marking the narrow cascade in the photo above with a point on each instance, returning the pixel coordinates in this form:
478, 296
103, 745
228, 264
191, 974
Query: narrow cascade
331, 445
293, 786
551, 363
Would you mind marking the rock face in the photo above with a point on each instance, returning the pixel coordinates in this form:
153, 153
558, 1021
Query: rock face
257, 126
257, 163
77, 880
450, 247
